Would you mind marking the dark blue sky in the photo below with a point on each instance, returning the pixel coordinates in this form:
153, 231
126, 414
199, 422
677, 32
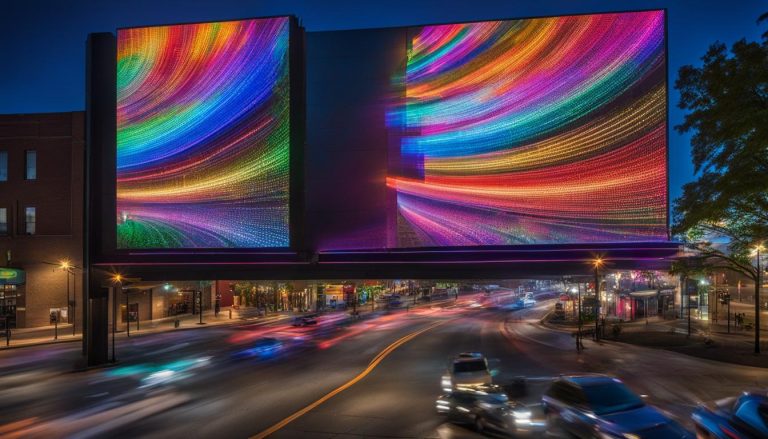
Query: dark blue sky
42, 44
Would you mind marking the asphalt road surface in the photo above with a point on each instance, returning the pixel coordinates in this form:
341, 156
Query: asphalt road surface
376, 377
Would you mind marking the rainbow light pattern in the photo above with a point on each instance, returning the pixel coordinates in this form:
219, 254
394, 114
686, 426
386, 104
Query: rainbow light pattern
547, 130
203, 135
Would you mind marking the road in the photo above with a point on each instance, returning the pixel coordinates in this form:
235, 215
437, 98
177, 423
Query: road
191, 384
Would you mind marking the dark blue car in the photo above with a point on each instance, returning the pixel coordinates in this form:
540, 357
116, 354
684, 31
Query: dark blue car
599, 406
742, 417
263, 349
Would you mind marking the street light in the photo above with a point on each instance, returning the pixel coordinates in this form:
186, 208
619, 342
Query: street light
597, 263
756, 252
68, 267
118, 279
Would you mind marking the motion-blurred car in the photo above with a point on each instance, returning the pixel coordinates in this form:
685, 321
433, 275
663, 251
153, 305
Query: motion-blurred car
263, 348
468, 369
522, 303
304, 321
599, 406
741, 417
488, 408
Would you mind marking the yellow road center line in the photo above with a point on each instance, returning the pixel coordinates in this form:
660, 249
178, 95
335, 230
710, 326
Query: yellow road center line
371, 366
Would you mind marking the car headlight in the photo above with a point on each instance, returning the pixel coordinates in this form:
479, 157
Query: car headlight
521, 414
522, 417
618, 436
445, 384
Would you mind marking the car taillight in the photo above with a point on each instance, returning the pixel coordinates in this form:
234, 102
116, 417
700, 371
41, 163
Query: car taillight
728, 432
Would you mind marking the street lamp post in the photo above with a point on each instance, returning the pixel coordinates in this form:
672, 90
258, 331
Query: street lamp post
65, 266
118, 279
689, 308
200, 305
127, 317
597, 263
757, 300
578, 334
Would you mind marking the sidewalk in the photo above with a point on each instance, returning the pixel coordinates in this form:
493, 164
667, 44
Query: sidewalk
46, 334
712, 342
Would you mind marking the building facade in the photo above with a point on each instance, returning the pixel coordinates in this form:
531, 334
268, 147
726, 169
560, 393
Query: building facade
41, 218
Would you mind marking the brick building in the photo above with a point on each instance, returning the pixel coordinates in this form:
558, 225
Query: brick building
41, 217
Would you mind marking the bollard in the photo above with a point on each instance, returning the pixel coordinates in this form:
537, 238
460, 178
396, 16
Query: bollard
230, 314
176, 323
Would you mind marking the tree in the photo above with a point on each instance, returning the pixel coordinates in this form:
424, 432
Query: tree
723, 214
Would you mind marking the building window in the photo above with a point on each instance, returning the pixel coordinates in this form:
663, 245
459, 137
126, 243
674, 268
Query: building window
30, 217
31, 173
3, 165
3, 221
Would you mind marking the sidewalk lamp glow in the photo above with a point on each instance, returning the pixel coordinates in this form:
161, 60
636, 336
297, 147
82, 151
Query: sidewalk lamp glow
167, 287
703, 282
117, 278
598, 262
65, 264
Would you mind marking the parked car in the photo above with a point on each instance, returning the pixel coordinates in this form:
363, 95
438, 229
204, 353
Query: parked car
600, 406
394, 301
741, 417
488, 409
467, 369
304, 320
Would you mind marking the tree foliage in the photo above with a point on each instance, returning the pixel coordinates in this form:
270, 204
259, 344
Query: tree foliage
726, 100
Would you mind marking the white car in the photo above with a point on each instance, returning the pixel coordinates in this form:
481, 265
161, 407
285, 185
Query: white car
466, 370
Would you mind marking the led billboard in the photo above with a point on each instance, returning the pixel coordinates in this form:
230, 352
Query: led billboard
203, 142
532, 131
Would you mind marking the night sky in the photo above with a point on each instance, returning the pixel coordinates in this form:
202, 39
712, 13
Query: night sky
42, 44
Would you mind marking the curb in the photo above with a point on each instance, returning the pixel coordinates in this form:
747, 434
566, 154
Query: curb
122, 333
41, 343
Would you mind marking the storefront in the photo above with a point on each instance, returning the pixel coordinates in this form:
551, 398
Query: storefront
646, 303
11, 280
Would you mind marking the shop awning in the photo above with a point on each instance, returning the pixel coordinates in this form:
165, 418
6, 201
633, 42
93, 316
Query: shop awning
644, 293
12, 276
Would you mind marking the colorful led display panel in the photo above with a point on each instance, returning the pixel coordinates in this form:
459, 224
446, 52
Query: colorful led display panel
203, 135
546, 130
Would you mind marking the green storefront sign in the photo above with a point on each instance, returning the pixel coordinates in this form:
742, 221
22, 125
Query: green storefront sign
12, 276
